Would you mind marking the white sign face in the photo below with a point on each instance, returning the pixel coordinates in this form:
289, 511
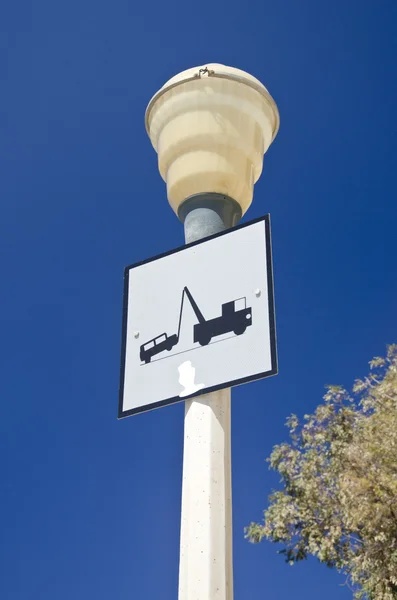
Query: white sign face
199, 318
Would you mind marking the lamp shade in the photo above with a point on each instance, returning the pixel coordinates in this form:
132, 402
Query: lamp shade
211, 126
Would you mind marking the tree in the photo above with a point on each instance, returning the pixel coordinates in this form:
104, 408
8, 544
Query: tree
338, 500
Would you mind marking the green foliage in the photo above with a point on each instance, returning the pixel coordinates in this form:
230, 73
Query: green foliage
338, 500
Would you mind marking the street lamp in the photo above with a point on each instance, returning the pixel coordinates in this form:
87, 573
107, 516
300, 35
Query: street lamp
210, 127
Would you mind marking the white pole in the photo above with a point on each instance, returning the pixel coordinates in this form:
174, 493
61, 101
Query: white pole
206, 564
206, 570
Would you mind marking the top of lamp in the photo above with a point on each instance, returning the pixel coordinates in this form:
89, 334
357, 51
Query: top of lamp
214, 70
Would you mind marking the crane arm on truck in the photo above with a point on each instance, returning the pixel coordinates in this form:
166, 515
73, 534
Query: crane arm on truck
196, 309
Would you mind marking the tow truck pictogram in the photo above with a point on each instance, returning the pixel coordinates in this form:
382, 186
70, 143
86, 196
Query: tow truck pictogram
233, 319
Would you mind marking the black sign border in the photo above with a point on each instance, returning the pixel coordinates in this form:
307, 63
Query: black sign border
227, 384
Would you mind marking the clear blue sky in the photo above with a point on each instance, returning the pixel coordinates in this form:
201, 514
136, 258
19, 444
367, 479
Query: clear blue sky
90, 506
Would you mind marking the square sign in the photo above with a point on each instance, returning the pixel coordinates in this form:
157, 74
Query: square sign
198, 319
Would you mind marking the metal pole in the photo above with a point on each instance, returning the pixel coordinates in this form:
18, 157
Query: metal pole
206, 566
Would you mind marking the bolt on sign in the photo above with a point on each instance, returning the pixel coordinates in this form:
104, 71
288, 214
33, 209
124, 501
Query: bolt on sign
198, 319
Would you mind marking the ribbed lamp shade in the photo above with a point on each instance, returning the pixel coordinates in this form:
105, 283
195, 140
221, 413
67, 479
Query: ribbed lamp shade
211, 126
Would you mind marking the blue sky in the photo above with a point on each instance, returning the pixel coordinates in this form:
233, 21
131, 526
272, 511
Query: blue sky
90, 506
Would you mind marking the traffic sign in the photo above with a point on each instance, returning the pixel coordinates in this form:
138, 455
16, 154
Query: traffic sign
198, 318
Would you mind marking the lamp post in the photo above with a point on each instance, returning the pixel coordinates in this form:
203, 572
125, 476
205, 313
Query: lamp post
211, 127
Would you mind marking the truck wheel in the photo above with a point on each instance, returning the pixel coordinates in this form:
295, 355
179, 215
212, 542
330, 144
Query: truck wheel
239, 329
147, 360
204, 340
